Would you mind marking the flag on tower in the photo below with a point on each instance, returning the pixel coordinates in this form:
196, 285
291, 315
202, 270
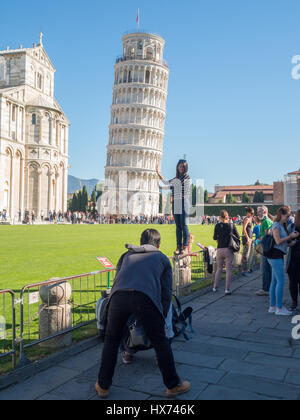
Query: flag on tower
138, 19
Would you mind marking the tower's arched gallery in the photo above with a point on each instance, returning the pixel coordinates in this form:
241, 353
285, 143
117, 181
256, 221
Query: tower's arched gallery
33, 135
136, 131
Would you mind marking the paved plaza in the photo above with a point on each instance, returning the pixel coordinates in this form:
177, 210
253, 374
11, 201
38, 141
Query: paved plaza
238, 352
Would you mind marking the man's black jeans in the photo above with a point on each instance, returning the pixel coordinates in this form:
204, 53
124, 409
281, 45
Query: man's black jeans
121, 306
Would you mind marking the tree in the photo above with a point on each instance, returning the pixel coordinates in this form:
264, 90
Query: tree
245, 198
160, 202
74, 203
230, 198
93, 201
205, 196
257, 183
194, 195
79, 201
259, 197
84, 199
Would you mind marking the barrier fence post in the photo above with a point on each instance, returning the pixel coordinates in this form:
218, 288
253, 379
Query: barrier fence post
4, 335
108, 280
23, 359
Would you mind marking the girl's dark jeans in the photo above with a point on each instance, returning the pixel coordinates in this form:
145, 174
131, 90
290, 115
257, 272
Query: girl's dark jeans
182, 230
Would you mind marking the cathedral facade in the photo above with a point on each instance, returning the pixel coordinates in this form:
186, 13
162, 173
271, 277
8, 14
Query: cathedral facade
33, 135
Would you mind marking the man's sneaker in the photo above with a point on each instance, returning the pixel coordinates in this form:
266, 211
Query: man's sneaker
180, 389
284, 312
103, 393
272, 310
127, 358
215, 290
228, 292
262, 293
293, 307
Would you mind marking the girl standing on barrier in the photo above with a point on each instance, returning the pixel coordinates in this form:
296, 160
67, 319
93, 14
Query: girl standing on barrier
180, 188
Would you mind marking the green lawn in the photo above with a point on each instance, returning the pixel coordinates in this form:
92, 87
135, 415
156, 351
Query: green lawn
31, 254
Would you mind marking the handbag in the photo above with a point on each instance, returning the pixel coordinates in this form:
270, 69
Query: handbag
235, 242
137, 338
259, 248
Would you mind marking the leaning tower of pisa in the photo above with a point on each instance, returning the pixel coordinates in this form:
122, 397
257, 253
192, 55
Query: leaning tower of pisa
136, 130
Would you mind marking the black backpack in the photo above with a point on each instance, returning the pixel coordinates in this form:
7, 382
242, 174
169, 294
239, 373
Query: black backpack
268, 243
181, 319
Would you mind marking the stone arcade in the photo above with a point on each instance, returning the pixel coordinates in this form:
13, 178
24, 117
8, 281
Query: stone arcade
33, 135
136, 131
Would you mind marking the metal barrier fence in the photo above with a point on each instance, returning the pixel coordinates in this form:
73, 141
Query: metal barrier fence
190, 270
60, 317
76, 305
8, 325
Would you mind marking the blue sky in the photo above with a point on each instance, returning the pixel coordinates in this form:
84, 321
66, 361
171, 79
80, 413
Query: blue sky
233, 106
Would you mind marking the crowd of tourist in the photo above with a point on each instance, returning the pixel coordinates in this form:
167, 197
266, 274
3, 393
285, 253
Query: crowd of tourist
284, 231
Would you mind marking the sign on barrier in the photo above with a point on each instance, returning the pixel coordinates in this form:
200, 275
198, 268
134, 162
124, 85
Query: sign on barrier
2, 328
34, 298
105, 262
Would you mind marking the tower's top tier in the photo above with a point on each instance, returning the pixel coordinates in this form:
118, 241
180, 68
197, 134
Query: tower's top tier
143, 46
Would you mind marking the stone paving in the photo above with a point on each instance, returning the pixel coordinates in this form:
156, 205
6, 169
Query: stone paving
238, 352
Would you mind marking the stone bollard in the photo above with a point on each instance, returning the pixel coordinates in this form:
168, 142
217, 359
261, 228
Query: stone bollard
183, 276
55, 314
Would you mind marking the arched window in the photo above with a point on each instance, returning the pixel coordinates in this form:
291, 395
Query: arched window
149, 53
33, 119
39, 81
147, 76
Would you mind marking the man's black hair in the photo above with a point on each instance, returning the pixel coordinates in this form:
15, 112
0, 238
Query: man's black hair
151, 237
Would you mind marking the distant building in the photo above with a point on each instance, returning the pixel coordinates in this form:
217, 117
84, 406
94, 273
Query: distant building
292, 190
221, 193
278, 198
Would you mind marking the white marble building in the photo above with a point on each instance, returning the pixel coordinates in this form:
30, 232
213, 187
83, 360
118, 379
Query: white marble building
136, 131
33, 135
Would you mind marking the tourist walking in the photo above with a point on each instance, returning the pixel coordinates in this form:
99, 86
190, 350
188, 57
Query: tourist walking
282, 239
143, 288
223, 234
247, 240
293, 264
266, 224
180, 188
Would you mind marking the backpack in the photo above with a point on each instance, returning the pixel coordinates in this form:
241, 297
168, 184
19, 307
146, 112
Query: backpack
181, 319
267, 243
101, 315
